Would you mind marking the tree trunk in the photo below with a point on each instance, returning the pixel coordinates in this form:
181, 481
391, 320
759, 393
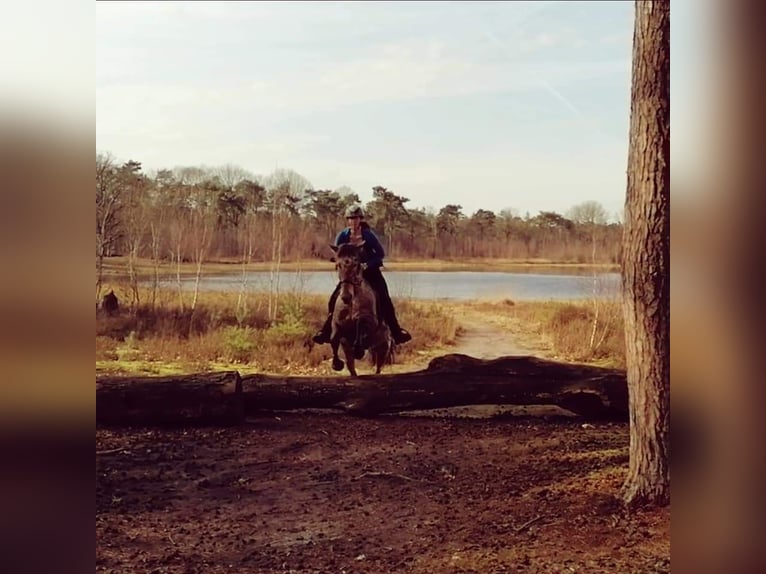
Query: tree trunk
449, 381
212, 398
452, 380
646, 259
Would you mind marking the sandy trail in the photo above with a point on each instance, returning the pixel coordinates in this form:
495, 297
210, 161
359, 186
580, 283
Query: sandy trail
483, 339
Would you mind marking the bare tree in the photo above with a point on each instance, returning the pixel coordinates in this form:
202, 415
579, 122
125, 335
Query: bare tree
254, 196
279, 198
588, 213
135, 221
646, 258
230, 175
203, 218
158, 200
108, 205
591, 218
287, 191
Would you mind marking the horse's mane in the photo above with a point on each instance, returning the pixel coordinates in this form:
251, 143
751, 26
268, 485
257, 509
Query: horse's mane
348, 250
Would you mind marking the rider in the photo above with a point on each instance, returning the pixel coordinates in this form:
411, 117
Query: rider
357, 232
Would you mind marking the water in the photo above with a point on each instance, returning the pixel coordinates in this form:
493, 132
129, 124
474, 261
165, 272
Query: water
456, 285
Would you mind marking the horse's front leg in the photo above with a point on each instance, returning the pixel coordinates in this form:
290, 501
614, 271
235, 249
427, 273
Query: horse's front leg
337, 363
348, 350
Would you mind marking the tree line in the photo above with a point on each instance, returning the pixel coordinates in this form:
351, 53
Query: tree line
196, 214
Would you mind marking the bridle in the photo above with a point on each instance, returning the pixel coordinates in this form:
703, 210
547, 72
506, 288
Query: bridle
354, 282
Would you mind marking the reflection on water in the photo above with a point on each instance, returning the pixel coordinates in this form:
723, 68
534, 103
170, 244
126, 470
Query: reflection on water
459, 285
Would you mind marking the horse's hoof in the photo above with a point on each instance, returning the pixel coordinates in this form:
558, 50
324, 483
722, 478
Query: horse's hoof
337, 365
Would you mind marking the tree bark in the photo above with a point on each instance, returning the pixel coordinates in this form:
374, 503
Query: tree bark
452, 380
646, 258
212, 398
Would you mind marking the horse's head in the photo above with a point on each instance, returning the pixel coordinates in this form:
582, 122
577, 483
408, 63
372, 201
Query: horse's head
348, 262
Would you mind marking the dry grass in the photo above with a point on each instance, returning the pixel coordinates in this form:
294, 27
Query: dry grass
583, 331
167, 339
580, 332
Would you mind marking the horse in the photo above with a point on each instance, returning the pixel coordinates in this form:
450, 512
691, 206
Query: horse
356, 323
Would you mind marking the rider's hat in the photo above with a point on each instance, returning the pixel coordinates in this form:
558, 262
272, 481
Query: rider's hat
355, 211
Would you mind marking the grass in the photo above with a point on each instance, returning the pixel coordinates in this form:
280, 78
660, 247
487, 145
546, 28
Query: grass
164, 342
167, 339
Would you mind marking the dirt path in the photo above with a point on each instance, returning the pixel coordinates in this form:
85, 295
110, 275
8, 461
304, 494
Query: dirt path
483, 337
483, 340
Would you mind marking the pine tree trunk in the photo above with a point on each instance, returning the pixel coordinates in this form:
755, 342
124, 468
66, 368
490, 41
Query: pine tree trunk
646, 259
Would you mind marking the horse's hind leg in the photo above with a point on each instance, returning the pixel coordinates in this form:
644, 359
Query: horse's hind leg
379, 359
360, 340
382, 353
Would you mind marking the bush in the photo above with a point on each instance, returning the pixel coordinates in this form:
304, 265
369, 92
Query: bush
239, 343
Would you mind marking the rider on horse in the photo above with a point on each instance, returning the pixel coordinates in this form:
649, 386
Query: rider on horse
359, 233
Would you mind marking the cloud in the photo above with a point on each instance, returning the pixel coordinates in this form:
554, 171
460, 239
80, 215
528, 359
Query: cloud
413, 71
395, 72
206, 83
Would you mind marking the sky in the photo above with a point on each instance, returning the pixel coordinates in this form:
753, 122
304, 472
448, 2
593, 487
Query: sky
489, 105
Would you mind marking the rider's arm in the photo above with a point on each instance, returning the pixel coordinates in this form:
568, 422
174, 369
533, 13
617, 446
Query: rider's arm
374, 248
341, 238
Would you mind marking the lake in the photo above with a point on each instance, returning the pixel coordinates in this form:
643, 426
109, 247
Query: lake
458, 285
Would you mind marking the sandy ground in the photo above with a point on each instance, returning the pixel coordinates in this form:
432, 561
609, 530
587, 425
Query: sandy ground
482, 339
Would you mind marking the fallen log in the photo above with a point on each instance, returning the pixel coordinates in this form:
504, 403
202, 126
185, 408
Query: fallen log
205, 398
449, 381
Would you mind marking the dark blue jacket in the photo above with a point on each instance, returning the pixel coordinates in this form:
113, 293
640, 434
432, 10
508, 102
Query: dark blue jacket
373, 251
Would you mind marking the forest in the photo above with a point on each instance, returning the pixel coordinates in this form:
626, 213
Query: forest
203, 214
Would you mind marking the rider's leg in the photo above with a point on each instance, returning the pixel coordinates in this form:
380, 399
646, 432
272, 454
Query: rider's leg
378, 282
323, 335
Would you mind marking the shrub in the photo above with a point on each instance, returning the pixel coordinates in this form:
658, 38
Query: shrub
239, 343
